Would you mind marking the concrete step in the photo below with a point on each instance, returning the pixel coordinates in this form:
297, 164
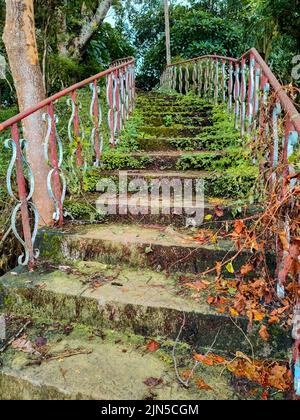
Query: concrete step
157, 247
187, 121
216, 211
188, 131
102, 365
166, 144
172, 109
141, 302
161, 160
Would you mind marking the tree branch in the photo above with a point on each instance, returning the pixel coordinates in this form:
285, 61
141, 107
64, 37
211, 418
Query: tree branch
90, 27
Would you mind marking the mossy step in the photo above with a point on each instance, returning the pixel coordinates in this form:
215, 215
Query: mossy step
164, 143
111, 367
179, 114
115, 367
172, 109
159, 248
127, 300
231, 185
180, 131
216, 210
161, 160
177, 120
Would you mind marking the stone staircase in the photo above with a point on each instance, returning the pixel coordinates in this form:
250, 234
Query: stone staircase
108, 304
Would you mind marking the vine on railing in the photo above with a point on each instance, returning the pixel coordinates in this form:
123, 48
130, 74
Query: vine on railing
78, 152
268, 120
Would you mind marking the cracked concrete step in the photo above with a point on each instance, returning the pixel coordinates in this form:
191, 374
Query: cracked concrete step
158, 247
142, 302
161, 160
115, 367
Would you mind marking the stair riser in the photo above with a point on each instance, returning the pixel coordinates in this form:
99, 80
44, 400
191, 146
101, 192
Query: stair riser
173, 259
13, 388
201, 162
200, 331
174, 109
171, 132
165, 144
186, 121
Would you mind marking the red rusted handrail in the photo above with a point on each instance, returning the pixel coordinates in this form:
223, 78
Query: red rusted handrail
278, 89
120, 92
263, 110
41, 105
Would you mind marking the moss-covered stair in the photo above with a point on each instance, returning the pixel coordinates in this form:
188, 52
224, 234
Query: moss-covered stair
109, 299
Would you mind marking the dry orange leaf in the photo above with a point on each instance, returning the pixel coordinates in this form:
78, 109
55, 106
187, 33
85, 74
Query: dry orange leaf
153, 346
204, 359
246, 269
264, 334
203, 386
234, 312
239, 226
284, 241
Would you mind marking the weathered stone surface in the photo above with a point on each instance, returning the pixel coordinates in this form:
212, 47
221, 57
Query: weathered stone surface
115, 368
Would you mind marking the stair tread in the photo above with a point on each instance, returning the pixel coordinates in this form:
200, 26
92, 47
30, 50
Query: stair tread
137, 234
160, 173
175, 153
130, 286
116, 367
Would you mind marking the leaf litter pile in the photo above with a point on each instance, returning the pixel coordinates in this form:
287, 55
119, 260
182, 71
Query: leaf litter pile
248, 292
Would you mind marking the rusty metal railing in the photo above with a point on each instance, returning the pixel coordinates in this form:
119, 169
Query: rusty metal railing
264, 112
111, 92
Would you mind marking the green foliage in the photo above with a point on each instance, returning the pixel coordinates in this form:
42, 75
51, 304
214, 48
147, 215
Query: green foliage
80, 210
114, 160
168, 120
204, 161
221, 134
131, 133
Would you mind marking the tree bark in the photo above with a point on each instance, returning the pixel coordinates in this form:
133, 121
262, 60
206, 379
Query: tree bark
90, 27
20, 42
167, 31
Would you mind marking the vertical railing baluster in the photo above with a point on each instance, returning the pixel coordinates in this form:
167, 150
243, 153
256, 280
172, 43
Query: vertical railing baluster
206, 79
243, 97
187, 79
274, 150
174, 85
180, 79
223, 81
256, 100
24, 199
53, 144
127, 92
251, 89
96, 117
265, 87
117, 105
77, 130
237, 94
216, 91
194, 77
110, 103
230, 86
200, 78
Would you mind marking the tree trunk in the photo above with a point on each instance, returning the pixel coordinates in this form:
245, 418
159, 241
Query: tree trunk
90, 27
20, 42
167, 31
